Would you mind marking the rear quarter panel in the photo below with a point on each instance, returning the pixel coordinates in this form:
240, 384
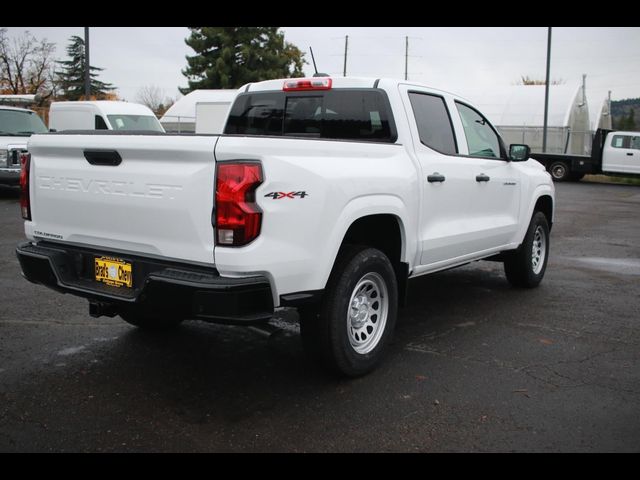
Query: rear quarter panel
342, 181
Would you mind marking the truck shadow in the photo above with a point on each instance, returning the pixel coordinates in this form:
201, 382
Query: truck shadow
241, 370
9, 192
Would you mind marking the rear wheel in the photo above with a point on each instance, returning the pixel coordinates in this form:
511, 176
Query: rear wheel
147, 320
559, 171
526, 266
350, 329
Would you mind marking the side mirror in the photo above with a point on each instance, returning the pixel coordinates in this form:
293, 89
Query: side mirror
518, 152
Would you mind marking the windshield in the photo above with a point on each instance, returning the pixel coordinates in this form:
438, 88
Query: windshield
20, 123
135, 122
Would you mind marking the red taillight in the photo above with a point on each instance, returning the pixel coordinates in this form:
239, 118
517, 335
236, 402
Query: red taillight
25, 203
319, 83
238, 218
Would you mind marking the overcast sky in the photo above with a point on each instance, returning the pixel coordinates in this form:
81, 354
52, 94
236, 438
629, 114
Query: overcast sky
454, 59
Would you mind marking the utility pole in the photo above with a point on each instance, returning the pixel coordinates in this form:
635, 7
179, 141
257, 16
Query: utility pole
346, 45
546, 93
406, 58
87, 73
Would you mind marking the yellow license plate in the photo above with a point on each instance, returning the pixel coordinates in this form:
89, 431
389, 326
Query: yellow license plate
113, 271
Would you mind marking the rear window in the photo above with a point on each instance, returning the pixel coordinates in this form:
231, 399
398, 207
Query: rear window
344, 114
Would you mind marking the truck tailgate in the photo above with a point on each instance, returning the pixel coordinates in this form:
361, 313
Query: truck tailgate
157, 201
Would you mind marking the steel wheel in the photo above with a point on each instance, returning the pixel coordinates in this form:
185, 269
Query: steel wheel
538, 250
525, 266
559, 171
367, 313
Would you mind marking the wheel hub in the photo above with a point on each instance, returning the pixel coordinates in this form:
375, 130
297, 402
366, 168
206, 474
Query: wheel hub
367, 313
359, 311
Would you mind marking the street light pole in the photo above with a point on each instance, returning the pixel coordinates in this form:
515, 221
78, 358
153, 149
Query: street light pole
546, 93
346, 44
87, 72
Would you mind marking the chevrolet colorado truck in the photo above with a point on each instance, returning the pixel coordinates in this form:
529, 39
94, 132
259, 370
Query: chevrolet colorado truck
324, 194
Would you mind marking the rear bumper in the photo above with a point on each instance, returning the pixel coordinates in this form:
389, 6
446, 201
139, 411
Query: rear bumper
186, 290
9, 176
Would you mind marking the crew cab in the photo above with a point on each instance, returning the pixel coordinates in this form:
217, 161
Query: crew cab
16, 126
324, 194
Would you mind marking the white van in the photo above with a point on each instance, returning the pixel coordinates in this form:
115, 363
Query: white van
102, 115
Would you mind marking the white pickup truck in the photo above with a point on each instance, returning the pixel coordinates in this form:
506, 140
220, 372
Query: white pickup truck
16, 126
325, 194
612, 153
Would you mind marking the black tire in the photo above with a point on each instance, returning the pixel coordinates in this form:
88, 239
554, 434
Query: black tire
328, 331
520, 268
559, 171
146, 320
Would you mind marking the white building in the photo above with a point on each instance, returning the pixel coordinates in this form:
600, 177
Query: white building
181, 116
600, 112
518, 113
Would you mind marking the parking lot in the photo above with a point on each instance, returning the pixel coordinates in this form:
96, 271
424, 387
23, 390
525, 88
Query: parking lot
475, 365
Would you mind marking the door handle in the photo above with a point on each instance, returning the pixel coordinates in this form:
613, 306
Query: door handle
103, 157
629, 154
435, 177
482, 178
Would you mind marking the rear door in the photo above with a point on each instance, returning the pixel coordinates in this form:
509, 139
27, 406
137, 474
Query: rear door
446, 217
143, 194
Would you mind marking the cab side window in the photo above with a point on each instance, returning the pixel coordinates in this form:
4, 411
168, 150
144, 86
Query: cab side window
434, 123
482, 140
620, 141
100, 123
635, 143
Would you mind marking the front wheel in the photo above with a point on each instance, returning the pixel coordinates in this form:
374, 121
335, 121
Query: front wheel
350, 330
526, 266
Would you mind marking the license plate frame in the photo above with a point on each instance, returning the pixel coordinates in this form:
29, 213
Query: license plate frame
113, 271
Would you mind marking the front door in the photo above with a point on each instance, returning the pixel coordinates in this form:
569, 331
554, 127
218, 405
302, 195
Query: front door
622, 154
496, 208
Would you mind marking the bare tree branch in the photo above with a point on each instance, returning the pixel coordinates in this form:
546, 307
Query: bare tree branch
25, 65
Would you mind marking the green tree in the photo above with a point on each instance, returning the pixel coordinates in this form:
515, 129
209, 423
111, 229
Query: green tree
630, 123
70, 78
229, 57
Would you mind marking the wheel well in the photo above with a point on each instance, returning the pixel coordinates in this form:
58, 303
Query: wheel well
545, 205
384, 233
377, 231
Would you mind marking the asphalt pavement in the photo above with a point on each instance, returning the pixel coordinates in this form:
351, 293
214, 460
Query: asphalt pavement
476, 365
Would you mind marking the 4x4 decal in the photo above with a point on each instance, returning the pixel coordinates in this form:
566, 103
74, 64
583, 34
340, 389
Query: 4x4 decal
280, 195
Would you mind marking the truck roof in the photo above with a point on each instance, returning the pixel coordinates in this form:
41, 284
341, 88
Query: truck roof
6, 107
108, 107
624, 132
341, 82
